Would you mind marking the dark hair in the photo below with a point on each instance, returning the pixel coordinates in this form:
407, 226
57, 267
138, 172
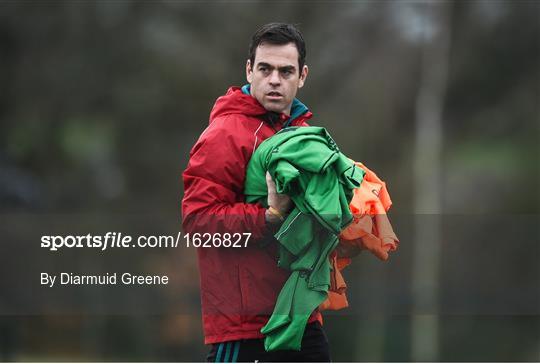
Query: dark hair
279, 34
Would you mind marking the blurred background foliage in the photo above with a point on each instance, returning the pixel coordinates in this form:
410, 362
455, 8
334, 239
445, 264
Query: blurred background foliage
101, 102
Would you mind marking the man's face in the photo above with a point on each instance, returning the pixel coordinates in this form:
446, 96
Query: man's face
274, 76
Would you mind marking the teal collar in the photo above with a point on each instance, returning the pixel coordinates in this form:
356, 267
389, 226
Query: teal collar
297, 107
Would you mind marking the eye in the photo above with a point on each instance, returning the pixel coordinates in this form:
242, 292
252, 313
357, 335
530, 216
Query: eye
286, 73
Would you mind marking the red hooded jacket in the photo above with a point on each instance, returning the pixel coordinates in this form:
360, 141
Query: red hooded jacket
239, 286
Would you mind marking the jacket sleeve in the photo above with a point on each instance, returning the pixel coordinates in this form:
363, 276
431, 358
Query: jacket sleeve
214, 183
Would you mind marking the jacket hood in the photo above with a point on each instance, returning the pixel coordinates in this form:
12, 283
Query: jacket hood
239, 101
236, 102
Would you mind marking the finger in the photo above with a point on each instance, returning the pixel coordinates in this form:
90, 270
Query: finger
270, 183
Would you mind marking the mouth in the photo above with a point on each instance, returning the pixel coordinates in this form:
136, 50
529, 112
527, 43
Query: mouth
274, 95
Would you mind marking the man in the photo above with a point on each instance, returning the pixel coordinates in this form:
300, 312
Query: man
239, 286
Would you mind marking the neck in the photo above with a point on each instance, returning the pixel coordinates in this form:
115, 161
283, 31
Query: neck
287, 111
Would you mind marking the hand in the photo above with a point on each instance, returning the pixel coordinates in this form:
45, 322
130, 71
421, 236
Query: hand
280, 202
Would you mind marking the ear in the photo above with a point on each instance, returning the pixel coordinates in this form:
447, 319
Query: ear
303, 76
249, 71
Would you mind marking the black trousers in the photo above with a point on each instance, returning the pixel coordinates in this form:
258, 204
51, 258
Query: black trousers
314, 349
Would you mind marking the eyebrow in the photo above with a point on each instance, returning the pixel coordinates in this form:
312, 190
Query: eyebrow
284, 68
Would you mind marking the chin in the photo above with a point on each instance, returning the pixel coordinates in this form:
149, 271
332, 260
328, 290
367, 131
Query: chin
274, 108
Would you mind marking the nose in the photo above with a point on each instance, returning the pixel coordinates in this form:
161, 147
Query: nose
274, 78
